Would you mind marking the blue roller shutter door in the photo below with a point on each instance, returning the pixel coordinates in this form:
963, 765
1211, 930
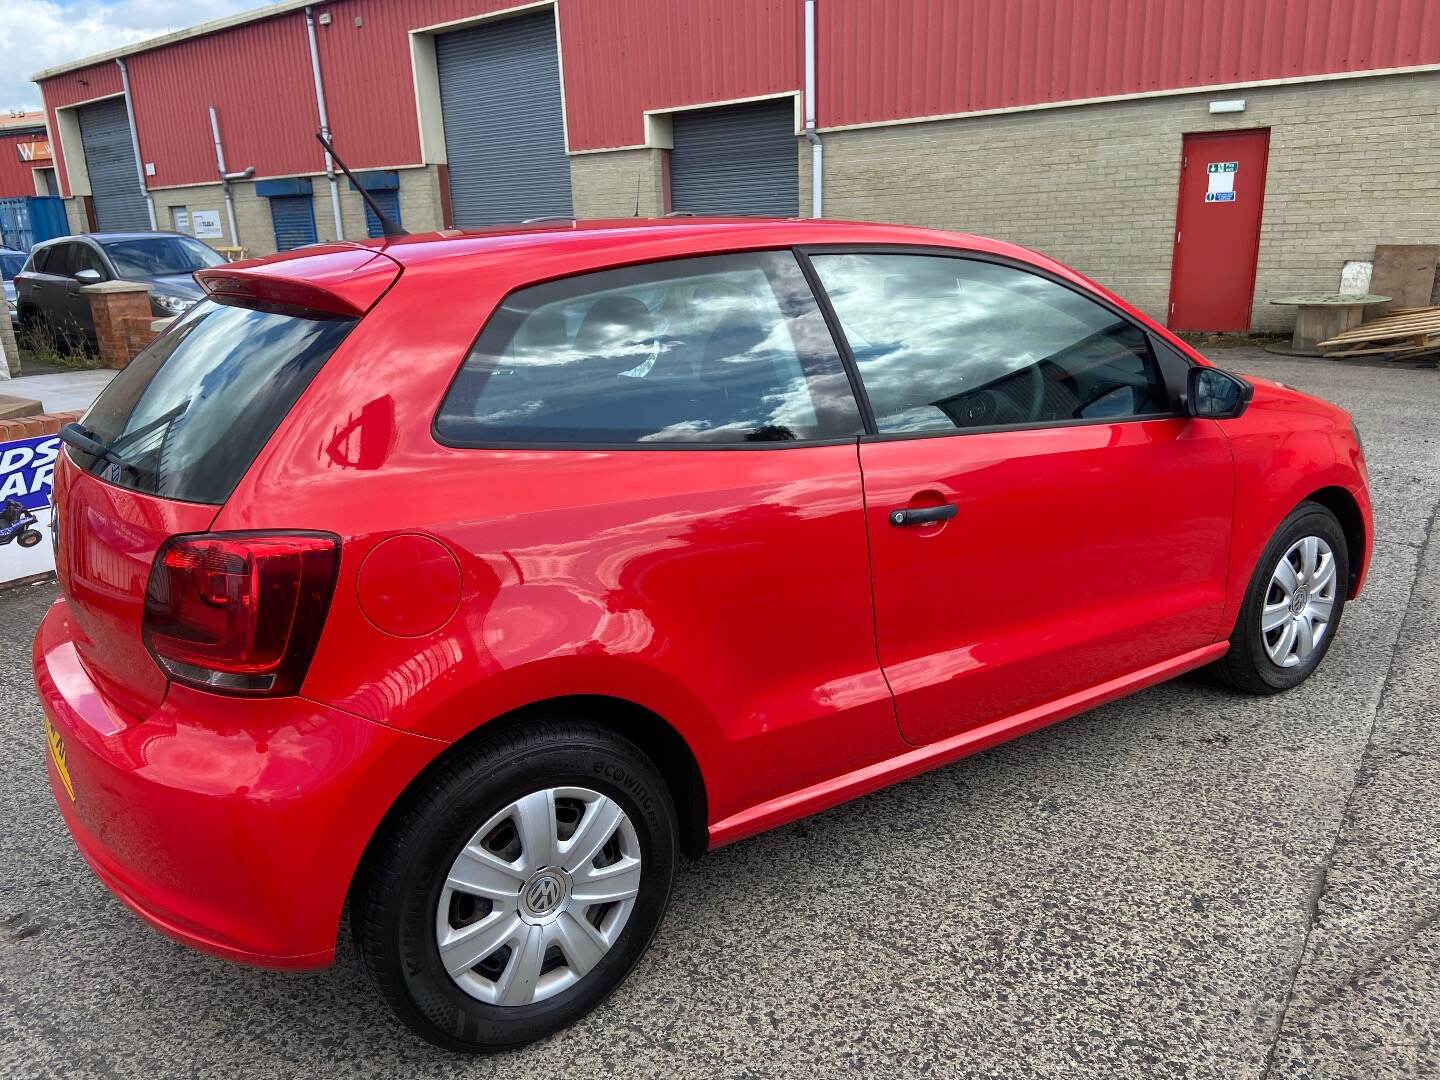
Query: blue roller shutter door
110, 161
503, 121
736, 159
384, 188
292, 211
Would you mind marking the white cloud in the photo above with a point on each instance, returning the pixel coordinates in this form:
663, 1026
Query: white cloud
37, 34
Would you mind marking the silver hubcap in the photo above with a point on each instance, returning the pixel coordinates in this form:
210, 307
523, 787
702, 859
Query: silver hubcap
1299, 601
538, 896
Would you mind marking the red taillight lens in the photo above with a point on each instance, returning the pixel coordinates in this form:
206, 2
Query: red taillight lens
240, 612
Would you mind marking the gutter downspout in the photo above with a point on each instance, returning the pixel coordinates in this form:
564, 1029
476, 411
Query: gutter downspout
324, 122
817, 151
224, 178
135, 143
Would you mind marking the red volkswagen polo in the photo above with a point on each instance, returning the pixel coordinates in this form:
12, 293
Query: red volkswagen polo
468, 579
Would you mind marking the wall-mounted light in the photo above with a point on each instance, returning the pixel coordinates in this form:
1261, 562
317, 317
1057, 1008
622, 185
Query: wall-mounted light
1233, 105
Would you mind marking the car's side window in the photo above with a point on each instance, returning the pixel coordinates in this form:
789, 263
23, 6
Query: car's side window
724, 349
86, 258
947, 342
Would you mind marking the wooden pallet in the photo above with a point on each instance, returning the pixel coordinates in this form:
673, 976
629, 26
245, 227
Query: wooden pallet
1408, 332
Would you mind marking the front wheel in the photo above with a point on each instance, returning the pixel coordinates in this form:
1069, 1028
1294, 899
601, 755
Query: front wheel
514, 891
1292, 607
29, 538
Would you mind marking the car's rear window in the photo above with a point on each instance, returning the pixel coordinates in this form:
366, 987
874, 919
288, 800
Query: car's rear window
189, 414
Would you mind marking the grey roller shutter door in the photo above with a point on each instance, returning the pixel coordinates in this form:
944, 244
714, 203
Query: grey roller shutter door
110, 161
503, 121
736, 159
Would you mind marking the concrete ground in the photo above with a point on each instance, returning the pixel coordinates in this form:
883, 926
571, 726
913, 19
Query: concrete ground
1185, 883
60, 391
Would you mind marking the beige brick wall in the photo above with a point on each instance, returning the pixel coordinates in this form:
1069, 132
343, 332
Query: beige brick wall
607, 185
1353, 163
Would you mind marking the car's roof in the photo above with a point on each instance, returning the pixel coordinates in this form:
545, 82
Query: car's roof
101, 237
643, 236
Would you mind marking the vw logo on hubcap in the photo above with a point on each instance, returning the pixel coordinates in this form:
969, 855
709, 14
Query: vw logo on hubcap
544, 895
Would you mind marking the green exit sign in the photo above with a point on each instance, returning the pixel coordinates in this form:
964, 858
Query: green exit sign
1223, 166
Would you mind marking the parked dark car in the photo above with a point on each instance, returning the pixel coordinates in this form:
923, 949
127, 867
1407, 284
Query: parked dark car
48, 289
10, 263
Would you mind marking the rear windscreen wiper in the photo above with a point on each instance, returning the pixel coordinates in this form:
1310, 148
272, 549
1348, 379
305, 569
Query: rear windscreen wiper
84, 440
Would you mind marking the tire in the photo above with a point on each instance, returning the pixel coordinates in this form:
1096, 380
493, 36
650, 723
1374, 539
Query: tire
1251, 664
29, 538
405, 897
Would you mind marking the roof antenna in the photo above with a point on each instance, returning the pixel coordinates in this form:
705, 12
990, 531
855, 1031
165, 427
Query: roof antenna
388, 227
637, 194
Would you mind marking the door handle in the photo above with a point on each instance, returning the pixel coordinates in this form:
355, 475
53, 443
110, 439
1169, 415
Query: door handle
923, 515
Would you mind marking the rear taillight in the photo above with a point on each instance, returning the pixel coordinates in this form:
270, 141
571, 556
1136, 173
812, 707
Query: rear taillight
240, 612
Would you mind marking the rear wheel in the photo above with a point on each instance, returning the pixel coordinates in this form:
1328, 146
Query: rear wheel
518, 889
1293, 605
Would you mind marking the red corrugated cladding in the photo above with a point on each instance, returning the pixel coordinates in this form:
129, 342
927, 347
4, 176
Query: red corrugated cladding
878, 61
71, 88
15, 175
623, 57
258, 78
910, 58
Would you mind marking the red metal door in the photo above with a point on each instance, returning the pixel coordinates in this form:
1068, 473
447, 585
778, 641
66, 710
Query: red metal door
1217, 229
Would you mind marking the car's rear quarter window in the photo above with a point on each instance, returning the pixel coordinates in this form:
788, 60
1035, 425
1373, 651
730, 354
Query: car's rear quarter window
723, 349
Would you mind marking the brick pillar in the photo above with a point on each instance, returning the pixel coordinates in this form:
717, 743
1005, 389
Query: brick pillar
116, 307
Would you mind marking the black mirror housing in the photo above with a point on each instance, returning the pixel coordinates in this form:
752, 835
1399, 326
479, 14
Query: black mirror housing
1216, 395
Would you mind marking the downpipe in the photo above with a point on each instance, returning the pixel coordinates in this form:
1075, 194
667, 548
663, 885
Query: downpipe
324, 122
817, 149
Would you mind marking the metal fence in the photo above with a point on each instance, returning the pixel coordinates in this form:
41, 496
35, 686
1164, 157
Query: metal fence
30, 219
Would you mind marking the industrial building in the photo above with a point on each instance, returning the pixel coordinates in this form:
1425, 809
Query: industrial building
1200, 157
26, 167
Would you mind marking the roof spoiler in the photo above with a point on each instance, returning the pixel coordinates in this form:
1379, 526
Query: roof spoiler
334, 281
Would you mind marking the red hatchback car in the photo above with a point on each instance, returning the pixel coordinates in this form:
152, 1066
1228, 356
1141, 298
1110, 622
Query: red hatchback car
468, 579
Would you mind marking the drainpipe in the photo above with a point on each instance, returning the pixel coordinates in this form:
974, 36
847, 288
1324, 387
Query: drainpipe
135, 143
224, 178
817, 152
324, 122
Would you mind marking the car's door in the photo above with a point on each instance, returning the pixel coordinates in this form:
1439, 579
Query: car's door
77, 303
1041, 516
44, 283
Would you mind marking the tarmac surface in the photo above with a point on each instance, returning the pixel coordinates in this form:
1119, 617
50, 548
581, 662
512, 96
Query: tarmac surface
1184, 883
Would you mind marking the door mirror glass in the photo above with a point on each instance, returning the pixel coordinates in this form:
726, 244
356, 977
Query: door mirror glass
1216, 394
87, 276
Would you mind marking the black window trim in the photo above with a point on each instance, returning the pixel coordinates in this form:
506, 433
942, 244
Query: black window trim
552, 446
803, 252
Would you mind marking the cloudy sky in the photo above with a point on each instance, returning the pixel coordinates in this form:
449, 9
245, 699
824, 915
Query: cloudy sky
36, 34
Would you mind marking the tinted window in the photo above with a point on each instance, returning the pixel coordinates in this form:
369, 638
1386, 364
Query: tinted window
151, 256
84, 257
944, 343
40, 260
189, 414
721, 349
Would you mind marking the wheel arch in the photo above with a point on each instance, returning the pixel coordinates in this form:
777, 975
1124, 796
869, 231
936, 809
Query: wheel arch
650, 732
1346, 509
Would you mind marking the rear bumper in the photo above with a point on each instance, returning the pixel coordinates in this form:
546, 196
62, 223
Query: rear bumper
232, 825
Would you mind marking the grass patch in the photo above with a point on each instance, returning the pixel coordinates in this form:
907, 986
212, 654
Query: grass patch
41, 347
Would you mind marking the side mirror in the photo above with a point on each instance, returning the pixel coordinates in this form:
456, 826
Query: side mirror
88, 277
1215, 394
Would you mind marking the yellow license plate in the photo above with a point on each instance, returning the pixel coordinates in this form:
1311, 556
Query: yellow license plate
57, 755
